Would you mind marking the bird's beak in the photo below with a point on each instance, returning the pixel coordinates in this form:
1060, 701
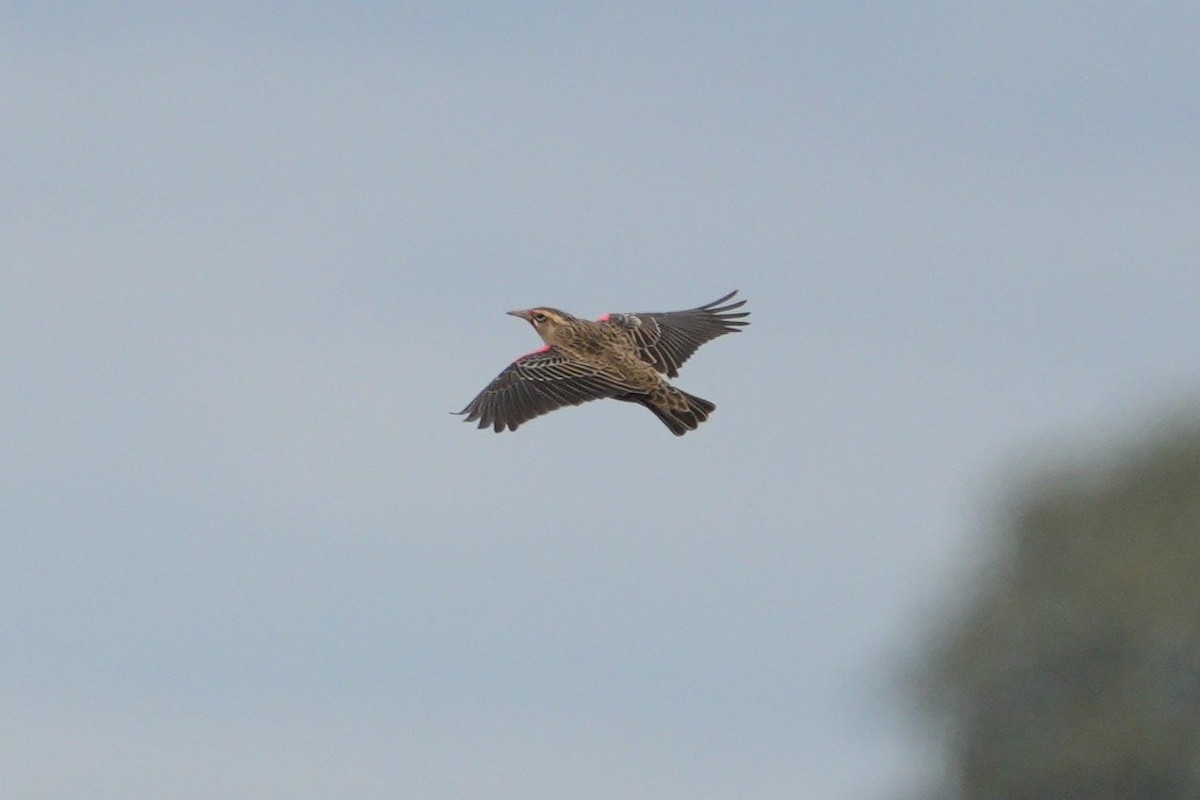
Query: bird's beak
522, 314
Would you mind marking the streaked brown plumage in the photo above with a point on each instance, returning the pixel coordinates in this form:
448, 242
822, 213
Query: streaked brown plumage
619, 356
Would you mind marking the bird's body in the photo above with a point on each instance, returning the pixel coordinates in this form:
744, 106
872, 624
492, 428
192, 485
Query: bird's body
620, 356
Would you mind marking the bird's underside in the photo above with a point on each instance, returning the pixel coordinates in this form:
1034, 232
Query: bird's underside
619, 356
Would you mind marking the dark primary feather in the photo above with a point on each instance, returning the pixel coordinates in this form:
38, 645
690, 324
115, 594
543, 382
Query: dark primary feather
538, 383
665, 340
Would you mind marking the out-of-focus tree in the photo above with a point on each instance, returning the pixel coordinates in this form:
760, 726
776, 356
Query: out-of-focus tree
1072, 669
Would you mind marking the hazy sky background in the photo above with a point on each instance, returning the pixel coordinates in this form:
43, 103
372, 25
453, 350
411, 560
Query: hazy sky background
252, 255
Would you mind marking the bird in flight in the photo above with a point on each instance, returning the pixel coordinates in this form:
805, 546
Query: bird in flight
622, 356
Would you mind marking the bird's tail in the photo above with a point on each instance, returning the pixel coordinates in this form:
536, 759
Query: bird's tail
678, 410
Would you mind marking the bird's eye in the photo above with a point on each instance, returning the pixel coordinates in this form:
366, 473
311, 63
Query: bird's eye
539, 316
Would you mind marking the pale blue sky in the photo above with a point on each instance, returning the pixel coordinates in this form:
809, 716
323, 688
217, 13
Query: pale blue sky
251, 257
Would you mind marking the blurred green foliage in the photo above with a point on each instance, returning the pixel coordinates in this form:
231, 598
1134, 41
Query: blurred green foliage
1073, 669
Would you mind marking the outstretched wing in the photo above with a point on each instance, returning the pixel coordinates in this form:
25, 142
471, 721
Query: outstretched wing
538, 383
666, 340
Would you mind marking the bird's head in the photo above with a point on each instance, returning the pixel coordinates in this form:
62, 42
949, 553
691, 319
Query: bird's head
548, 322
